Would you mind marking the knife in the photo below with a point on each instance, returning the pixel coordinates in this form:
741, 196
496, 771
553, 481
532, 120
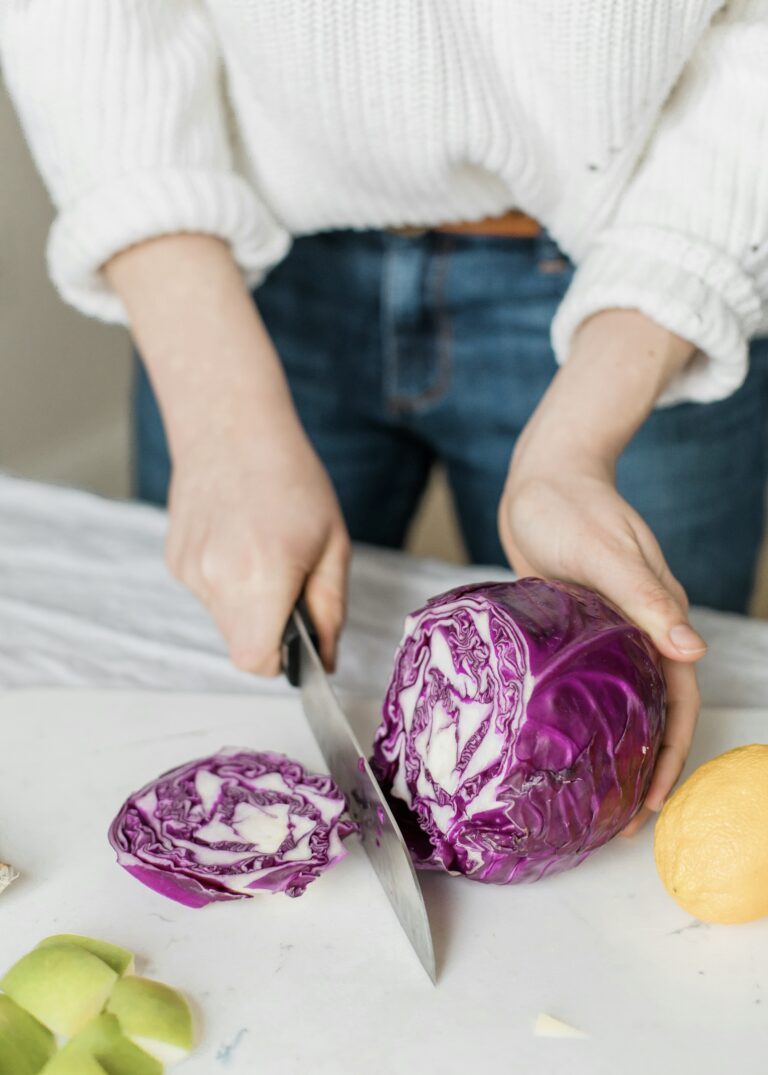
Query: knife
381, 837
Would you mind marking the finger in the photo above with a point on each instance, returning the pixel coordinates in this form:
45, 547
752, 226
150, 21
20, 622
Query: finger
182, 558
253, 618
655, 607
675, 588
683, 702
637, 822
325, 593
654, 557
516, 560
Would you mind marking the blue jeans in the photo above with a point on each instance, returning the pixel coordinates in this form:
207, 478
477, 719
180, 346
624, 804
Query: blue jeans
401, 351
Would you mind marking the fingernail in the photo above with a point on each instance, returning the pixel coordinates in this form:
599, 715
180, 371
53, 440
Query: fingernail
686, 639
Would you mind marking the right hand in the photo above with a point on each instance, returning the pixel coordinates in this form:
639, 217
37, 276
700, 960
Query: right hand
254, 520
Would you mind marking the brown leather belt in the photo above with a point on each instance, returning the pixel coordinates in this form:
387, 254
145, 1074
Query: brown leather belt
511, 225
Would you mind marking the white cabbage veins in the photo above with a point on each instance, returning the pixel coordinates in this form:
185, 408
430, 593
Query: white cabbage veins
231, 825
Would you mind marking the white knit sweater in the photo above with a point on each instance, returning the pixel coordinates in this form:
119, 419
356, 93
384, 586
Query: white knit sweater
635, 130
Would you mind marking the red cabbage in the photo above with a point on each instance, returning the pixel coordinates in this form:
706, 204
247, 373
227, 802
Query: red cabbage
231, 825
520, 728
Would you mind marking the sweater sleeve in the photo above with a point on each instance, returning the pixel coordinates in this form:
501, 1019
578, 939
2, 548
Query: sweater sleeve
688, 244
122, 105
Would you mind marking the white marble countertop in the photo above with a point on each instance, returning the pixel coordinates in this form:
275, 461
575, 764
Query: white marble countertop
327, 984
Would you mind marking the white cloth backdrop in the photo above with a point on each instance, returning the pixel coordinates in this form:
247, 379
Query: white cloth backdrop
86, 601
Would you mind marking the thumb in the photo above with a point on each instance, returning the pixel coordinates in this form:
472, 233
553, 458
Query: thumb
326, 595
655, 604
252, 619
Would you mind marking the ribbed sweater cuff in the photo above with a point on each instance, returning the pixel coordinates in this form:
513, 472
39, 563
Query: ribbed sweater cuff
691, 289
145, 205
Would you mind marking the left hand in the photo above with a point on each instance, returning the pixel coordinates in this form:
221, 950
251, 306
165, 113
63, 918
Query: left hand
568, 521
561, 516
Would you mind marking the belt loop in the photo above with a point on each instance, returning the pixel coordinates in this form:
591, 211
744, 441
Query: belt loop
549, 256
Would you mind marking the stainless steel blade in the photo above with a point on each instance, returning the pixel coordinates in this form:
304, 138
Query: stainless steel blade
349, 767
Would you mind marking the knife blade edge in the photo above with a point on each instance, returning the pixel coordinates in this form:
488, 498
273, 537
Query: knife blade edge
382, 839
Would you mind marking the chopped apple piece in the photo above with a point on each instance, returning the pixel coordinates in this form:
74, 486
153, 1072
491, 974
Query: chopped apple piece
119, 959
63, 986
155, 1017
102, 1042
25, 1044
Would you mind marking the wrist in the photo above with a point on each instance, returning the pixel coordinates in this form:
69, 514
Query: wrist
232, 426
624, 334
619, 365
538, 457
218, 379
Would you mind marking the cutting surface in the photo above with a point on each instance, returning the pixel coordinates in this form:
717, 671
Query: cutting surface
326, 984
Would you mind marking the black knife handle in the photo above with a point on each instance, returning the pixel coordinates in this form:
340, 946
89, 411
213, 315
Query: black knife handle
291, 648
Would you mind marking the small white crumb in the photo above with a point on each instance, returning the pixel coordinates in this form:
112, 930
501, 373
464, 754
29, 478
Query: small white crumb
7, 875
547, 1026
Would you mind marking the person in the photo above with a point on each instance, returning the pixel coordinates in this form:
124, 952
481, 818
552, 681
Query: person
451, 177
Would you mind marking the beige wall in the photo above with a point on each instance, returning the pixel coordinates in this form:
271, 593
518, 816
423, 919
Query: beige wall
63, 378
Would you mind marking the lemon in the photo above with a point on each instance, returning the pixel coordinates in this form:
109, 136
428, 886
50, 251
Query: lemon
711, 839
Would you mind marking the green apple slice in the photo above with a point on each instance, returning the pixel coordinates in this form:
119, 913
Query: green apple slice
154, 1016
63, 986
25, 1044
73, 1063
103, 1042
119, 959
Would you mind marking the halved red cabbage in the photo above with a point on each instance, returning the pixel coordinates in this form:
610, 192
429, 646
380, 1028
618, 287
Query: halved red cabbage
520, 728
231, 825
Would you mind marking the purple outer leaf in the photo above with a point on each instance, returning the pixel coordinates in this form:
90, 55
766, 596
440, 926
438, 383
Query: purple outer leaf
231, 825
520, 728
